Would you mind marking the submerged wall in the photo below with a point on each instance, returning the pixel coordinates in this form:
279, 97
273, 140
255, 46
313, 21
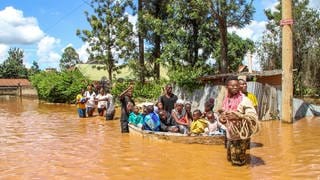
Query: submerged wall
19, 91
269, 99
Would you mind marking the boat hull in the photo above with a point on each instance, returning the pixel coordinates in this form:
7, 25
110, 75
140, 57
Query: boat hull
177, 137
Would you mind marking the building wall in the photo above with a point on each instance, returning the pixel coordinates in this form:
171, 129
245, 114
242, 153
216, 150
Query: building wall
8, 90
19, 91
29, 91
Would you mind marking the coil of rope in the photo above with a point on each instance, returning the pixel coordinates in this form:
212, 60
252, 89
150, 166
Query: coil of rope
248, 126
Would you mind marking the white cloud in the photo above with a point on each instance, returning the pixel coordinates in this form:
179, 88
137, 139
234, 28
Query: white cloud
3, 52
252, 31
17, 29
270, 4
255, 61
46, 51
82, 51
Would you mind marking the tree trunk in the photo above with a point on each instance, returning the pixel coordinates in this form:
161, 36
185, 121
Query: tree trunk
157, 45
141, 44
195, 42
224, 64
157, 53
110, 62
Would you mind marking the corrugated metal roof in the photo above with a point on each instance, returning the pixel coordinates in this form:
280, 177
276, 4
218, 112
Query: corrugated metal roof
14, 82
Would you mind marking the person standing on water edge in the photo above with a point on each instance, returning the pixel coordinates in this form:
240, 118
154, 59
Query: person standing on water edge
240, 119
126, 104
110, 106
169, 99
90, 104
81, 106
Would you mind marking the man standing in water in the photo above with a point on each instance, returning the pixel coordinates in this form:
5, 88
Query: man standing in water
169, 99
241, 120
126, 105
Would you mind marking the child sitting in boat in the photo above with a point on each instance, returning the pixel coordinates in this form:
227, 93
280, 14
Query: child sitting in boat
187, 107
208, 107
151, 121
135, 117
214, 126
198, 124
158, 107
180, 117
166, 122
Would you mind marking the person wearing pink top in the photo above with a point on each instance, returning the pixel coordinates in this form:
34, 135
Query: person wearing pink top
241, 120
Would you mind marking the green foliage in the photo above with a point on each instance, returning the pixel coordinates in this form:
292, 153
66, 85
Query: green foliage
59, 87
237, 49
69, 58
111, 34
34, 69
13, 66
229, 14
306, 45
147, 91
187, 77
187, 33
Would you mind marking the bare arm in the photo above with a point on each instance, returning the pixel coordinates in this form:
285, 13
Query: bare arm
178, 121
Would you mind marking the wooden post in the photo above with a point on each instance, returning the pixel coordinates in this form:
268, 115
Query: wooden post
287, 62
250, 61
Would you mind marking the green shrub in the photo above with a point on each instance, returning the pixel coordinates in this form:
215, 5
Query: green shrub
187, 77
59, 87
149, 91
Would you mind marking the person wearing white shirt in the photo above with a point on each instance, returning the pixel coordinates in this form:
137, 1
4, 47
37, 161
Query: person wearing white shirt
102, 102
109, 106
90, 104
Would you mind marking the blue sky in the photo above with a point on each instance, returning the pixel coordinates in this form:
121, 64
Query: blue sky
43, 28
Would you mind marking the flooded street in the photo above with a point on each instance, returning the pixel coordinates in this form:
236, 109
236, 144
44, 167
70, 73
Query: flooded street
45, 141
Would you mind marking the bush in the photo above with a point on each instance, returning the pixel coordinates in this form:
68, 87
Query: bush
142, 92
59, 87
187, 77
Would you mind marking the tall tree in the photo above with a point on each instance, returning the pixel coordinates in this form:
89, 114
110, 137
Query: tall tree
141, 41
13, 66
238, 48
111, 34
306, 45
229, 13
34, 69
154, 15
268, 47
69, 58
186, 37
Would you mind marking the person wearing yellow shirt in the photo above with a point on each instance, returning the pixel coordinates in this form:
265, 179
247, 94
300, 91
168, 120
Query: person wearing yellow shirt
81, 104
252, 97
243, 88
198, 124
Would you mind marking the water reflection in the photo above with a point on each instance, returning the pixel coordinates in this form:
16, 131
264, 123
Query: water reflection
46, 141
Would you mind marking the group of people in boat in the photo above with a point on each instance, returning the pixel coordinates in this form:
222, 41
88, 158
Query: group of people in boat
180, 119
89, 100
237, 119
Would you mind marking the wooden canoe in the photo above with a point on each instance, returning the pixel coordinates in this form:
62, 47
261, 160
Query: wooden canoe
177, 137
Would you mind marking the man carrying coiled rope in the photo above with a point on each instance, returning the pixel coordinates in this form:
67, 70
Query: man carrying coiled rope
240, 117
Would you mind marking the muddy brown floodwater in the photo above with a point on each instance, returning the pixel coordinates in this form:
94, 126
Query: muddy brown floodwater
45, 141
